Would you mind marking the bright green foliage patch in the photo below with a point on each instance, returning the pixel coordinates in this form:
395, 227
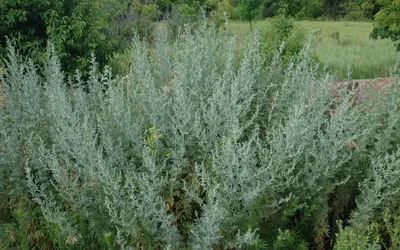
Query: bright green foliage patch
196, 148
77, 29
285, 35
387, 21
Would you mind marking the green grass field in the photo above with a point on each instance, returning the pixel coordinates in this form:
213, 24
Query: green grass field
343, 45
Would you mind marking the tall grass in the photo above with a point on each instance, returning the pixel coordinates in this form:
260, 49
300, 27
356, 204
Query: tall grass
344, 46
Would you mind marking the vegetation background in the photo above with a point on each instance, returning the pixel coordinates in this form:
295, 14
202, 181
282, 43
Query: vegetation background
78, 29
159, 124
344, 45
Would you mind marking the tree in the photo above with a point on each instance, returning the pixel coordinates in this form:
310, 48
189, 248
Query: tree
75, 28
23, 22
369, 7
387, 21
334, 7
248, 10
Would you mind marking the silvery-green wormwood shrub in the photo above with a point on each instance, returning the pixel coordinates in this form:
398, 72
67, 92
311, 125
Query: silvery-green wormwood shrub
200, 146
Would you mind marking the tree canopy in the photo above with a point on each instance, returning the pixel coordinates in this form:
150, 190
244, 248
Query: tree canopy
248, 10
387, 21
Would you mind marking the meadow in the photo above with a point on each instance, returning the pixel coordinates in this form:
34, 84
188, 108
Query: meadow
343, 46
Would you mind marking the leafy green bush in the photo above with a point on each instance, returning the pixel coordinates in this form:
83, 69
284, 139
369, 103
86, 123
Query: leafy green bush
223, 11
196, 148
355, 16
311, 10
289, 240
387, 22
181, 15
392, 224
143, 17
283, 30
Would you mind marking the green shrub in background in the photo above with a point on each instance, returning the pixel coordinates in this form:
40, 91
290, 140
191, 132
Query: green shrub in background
196, 148
223, 12
120, 63
355, 16
142, 20
283, 30
312, 10
180, 15
387, 22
